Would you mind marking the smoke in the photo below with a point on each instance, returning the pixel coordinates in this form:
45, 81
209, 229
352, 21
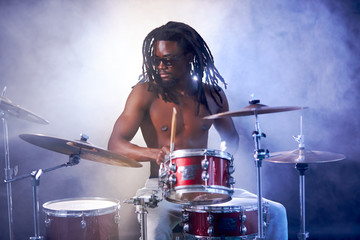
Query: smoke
74, 62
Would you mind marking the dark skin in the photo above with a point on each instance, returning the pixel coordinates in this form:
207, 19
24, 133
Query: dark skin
153, 116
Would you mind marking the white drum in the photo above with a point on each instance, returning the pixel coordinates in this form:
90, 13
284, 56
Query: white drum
82, 218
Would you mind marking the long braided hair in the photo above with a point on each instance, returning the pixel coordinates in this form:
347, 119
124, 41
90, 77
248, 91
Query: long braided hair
202, 65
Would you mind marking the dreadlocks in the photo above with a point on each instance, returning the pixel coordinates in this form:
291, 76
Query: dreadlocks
202, 63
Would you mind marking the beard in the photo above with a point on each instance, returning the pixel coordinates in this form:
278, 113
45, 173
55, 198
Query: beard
168, 83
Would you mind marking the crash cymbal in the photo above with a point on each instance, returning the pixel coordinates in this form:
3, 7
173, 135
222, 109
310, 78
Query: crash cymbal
304, 156
83, 148
8, 107
252, 109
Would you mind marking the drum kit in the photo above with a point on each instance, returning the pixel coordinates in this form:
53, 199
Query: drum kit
198, 179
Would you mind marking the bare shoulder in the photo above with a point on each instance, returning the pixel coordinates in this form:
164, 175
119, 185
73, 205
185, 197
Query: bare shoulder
141, 94
141, 88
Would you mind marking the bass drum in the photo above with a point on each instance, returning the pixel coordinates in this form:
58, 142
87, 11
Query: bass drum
82, 218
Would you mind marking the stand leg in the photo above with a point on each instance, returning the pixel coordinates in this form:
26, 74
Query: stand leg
142, 212
36, 182
8, 175
259, 203
259, 155
10, 207
302, 235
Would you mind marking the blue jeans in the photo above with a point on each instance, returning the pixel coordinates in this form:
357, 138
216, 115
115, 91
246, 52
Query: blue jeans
163, 218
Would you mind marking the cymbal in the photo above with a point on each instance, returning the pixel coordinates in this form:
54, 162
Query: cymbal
304, 156
253, 109
17, 111
83, 148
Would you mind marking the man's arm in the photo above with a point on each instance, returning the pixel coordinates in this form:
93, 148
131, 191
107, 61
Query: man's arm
128, 124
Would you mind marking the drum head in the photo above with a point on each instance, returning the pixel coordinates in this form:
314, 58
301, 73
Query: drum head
201, 152
73, 207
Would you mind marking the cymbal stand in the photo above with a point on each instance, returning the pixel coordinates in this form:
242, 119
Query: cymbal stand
301, 167
141, 204
8, 175
259, 155
35, 175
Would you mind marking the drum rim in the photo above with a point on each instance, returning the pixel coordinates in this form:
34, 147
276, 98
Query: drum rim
214, 209
201, 152
201, 188
169, 196
81, 213
234, 202
241, 237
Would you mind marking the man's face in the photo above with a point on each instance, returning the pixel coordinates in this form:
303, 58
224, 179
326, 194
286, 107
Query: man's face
171, 62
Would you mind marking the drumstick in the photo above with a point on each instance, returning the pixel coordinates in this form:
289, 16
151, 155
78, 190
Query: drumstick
173, 130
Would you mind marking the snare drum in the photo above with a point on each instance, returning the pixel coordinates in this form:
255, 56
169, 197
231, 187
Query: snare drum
198, 176
82, 218
236, 219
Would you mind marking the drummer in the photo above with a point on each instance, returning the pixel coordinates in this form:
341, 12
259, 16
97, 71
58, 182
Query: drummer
178, 72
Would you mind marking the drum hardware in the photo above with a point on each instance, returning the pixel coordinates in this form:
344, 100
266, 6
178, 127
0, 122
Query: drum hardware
302, 158
83, 148
141, 204
35, 175
255, 108
259, 155
9, 108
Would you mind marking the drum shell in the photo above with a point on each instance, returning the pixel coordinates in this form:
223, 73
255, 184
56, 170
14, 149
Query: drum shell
227, 220
88, 224
218, 175
189, 175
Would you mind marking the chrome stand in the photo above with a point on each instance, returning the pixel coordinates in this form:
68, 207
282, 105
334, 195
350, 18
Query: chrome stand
302, 167
259, 155
141, 203
73, 160
8, 175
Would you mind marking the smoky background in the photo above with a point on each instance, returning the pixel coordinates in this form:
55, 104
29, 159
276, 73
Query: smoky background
74, 63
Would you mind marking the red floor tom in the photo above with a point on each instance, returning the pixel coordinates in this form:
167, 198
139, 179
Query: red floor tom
232, 220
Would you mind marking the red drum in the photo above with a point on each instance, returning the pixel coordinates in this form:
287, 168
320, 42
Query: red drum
198, 176
236, 219
82, 218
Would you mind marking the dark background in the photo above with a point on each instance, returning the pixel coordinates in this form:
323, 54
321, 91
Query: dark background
74, 62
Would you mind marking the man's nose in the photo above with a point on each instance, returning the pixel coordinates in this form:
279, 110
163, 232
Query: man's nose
162, 65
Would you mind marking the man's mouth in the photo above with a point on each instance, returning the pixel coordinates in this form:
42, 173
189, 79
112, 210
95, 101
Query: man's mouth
164, 75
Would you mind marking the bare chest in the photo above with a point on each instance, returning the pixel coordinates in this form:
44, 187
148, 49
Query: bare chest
191, 128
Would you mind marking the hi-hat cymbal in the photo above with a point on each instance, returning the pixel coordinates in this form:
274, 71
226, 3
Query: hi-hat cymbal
304, 156
8, 107
253, 109
84, 149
